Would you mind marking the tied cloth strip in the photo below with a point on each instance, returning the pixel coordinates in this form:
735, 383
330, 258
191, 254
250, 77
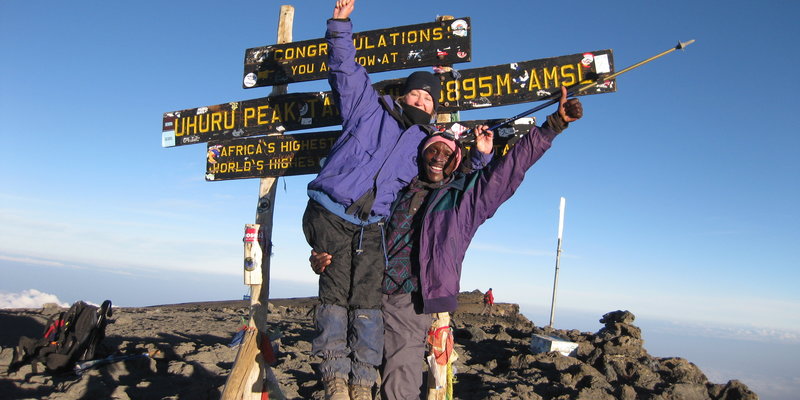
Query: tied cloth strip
441, 358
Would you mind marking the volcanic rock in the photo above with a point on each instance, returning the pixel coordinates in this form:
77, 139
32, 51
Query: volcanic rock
189, 357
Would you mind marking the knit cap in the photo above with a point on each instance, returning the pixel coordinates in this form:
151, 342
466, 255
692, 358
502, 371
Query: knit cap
426, 81
450, 143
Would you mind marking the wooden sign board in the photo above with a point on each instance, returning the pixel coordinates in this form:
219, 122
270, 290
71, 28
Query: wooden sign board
497, 85
304, 153
525, 81
410, 46
254, 117
268, 156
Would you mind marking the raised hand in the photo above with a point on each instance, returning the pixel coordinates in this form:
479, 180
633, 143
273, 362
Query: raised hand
343, 9
484, 139
569, 110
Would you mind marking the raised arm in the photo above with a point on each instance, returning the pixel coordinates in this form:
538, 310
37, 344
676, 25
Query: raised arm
498, 182
349, 80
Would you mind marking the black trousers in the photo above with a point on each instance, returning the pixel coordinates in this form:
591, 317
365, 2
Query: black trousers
354, 277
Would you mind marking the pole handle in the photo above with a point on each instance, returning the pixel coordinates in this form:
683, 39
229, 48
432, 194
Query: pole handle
575, 89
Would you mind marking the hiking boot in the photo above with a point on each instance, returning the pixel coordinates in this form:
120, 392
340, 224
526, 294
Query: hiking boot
359, 392
336, 389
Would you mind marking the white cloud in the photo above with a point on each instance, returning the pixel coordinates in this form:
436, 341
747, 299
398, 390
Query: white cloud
730, 331
30, 298
29, 260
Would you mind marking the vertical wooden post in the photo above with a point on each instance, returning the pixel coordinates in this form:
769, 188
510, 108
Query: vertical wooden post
247, 377
267, 186
454, 116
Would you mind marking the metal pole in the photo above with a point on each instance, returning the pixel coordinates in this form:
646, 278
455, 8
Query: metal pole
561, 207
574, 91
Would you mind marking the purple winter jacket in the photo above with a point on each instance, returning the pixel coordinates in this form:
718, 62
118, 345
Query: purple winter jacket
455, 211
372, 141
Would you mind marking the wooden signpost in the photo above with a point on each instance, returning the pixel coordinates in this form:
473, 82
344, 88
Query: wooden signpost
246, 138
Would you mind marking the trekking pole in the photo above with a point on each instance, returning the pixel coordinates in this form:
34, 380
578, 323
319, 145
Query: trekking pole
554, 98
561, 207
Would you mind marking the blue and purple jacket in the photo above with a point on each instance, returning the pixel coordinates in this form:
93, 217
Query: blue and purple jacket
455, 211
374, 148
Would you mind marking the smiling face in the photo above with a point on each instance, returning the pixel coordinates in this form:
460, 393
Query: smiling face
437, 162
419, 99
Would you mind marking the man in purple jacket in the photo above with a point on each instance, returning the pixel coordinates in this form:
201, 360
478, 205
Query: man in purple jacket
426, 249
349, 201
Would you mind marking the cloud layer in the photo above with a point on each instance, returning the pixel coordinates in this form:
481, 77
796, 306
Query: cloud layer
30, 298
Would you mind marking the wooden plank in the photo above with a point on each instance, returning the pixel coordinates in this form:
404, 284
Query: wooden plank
409, 46
304, 153
278, 113
270, 156
497, 85
525, 81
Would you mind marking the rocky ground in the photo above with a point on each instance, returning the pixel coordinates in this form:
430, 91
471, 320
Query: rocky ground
189, 357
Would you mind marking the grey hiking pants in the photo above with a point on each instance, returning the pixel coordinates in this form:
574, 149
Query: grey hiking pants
405, 331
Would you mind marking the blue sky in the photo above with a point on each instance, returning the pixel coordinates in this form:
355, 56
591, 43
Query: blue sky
681, 187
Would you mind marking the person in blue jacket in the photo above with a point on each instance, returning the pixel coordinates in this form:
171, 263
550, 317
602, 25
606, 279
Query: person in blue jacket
431, 227
349, 201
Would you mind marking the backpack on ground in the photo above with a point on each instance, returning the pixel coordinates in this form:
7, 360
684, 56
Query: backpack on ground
69, 337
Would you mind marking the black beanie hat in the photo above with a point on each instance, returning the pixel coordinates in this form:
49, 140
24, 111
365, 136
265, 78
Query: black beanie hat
425, 81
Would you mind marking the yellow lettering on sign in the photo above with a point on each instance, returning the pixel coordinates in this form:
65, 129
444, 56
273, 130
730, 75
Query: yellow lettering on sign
533, 82
302, 69
451, 91
294, 53
312, 107
469, 88
438, 33
363, 42
551, 75
382, 41
485, 85
503, 82
327, 107
203, 124
581, 70
366, 60
412, 37
249, 113
191, 126
568, 75
216, 121
262, 115
288, 111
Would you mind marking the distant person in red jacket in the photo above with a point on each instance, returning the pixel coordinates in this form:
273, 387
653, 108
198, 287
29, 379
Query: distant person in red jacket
488, 302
